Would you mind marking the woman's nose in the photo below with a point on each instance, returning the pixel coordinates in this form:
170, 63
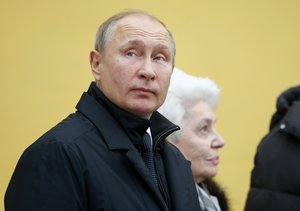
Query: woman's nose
219, 141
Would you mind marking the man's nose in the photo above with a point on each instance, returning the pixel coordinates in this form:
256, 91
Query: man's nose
147, 70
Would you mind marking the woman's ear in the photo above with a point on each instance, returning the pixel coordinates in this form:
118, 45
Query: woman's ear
95, 62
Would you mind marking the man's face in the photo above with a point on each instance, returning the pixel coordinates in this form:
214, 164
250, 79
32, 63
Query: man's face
199, 141
134, 70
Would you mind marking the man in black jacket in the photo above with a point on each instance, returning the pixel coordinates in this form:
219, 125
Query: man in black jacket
92, 159
275, 178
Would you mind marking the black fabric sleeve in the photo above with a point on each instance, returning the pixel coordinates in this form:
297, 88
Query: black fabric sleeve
47, 178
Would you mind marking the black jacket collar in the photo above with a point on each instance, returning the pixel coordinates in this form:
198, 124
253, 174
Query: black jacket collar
134, 126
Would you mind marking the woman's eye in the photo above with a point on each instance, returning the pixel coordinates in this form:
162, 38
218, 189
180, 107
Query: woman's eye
205, 129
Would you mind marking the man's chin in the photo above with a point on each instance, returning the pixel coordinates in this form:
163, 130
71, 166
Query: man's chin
143, 112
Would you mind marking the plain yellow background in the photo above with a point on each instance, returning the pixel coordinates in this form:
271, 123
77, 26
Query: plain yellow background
250, 48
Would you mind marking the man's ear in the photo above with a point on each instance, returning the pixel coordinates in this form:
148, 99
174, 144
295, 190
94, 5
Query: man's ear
95, 62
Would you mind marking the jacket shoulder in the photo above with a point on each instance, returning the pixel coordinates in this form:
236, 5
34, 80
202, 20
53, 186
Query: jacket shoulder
174, 150
68, 130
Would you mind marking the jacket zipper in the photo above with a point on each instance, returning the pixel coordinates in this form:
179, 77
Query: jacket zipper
160, 186
165, 134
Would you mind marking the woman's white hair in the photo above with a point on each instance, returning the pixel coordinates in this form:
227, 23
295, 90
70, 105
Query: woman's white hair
185, 91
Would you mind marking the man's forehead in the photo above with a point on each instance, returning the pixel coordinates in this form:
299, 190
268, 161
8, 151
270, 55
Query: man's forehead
142, 22
135, 32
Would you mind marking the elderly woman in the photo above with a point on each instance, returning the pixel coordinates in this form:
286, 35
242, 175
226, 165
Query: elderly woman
190, 103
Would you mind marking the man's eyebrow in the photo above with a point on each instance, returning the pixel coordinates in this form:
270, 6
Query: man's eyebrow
141, 43
162, 47
135, 42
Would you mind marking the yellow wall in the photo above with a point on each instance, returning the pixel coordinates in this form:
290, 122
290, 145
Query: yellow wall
250, 48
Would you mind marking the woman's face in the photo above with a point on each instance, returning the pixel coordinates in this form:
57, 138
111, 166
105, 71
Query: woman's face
199, 141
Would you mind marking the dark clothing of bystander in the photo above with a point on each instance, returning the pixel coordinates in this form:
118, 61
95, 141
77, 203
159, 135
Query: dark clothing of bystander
275, 178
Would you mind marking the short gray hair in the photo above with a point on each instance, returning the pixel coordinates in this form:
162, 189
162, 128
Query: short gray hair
106, 29
184, 91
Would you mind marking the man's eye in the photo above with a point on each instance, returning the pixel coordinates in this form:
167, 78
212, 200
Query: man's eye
131, 53
160, 58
